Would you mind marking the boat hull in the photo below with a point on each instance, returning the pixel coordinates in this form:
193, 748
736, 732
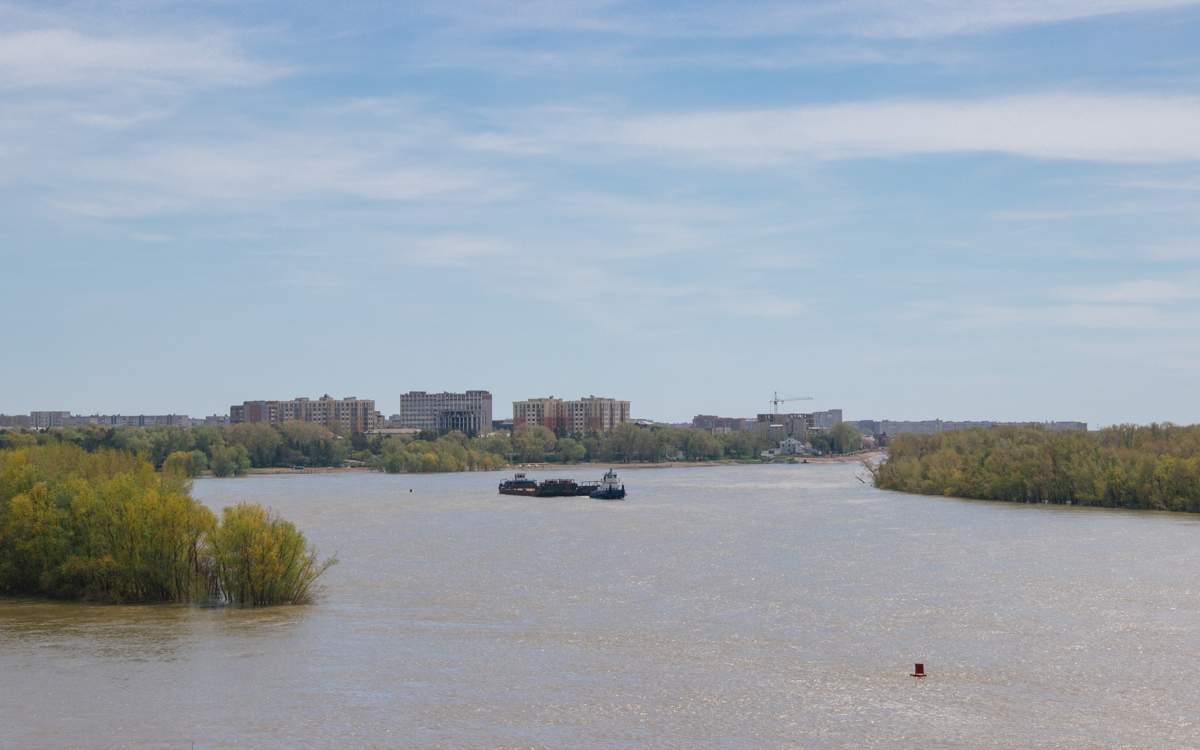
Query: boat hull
526, 491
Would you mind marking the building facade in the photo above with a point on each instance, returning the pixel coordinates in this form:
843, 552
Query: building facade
44, 420
718, 425
469, 412
797, 426
345, 415
825, 420
578, 417
134, 420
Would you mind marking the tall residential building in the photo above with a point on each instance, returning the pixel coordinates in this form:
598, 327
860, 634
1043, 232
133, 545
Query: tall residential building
469, 412
797, 425
134, 420
346, 415
44, 420
825, 420
718, 425
581, 416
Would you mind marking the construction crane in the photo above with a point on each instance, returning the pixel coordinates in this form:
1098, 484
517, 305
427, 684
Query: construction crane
775, 402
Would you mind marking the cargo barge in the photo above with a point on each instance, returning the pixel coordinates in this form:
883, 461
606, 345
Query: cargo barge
607, 489
523, 485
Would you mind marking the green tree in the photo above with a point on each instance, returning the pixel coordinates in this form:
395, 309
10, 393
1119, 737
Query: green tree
229, 461
261, 441
531, 443
571, 450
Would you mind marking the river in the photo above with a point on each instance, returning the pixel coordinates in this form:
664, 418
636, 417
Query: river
722, 607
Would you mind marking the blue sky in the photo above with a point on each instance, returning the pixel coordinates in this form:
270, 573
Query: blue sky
904, 209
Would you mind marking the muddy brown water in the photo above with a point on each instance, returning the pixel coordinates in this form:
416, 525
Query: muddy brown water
722, 607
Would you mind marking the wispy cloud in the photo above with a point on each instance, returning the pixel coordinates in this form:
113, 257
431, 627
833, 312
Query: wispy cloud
456, 250
1143, 292
1181, 184
1173, 251
60, 57
729, 19
1146, 305
1112, 128
1121, 317
936, 18
246, 175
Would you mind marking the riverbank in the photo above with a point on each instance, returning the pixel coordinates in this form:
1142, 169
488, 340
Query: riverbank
849, 458
547, 466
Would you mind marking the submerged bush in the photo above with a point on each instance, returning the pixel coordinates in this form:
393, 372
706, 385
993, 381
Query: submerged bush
105, 526
259, 558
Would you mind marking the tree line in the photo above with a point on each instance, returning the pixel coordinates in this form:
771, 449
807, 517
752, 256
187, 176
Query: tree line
105, 526
225, 451
1155, 467
232, 450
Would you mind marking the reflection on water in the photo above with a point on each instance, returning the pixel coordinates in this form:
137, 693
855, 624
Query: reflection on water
727, 607
135, 632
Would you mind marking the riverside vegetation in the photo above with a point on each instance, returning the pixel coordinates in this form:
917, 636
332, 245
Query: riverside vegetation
1156, 467
105, 526
233, 450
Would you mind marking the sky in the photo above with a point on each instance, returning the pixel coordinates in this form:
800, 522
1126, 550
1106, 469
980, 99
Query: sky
906, 210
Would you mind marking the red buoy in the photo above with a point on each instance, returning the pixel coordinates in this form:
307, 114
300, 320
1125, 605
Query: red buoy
918, 670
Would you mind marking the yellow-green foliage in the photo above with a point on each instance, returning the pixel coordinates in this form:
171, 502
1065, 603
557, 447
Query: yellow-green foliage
261, 559
104, 526
99, 525
1155, 467
448, 453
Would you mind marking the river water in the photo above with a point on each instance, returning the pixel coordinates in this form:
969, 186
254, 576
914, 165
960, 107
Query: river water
728, 607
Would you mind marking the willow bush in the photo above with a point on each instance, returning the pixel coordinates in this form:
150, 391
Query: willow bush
259, 558
105, 526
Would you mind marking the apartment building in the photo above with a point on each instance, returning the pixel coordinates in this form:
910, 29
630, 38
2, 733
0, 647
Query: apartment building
44, 420
797, 425
577, 417
345, 415
469, 412
134, 420
719, 425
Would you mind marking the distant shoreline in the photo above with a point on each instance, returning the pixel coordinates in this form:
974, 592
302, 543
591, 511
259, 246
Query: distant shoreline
846, 459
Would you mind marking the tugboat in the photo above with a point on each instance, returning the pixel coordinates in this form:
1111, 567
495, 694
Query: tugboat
519, 485
610, 488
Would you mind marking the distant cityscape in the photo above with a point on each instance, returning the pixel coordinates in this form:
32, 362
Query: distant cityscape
471, 412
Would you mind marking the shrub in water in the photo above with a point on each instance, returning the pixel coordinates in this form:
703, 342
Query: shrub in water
259, 558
